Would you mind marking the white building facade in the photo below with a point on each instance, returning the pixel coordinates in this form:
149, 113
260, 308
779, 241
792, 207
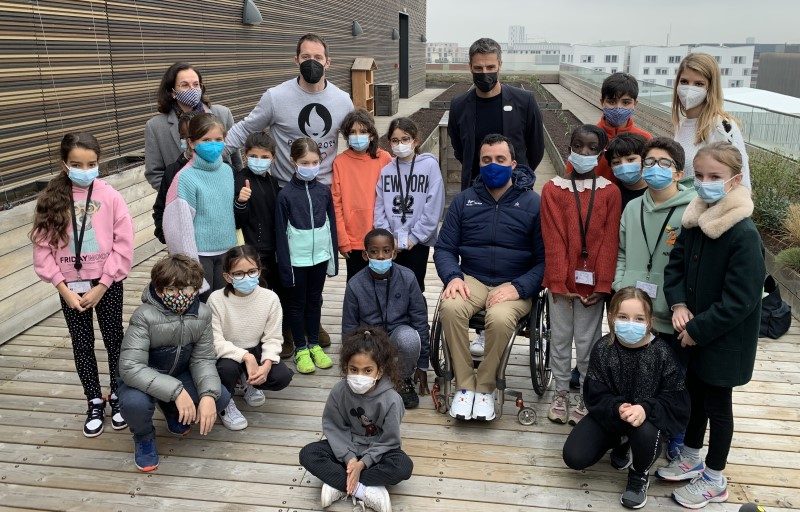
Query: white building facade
656, 64
608, 59
735, 63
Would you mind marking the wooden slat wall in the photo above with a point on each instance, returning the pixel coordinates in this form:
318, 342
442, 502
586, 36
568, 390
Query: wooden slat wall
95, 64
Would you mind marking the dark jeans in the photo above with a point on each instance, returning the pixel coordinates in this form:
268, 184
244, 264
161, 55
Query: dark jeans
355, 263
589, 441
279, 375
318, 458
712, 406
305, 304
81, 330
212, 271
138, 406
415, 259
273, 277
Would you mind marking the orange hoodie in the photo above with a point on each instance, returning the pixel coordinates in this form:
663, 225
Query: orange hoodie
355, 176
603, 169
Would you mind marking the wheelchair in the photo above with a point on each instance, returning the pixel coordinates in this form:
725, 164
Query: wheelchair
535, 326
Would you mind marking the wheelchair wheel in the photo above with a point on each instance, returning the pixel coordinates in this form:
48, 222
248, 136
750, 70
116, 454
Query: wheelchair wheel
438, 361
541, 374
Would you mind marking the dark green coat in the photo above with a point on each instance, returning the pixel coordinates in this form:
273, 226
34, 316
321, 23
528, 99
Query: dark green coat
717, 269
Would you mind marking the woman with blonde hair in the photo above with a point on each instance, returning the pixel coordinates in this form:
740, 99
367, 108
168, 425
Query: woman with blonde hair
698, 112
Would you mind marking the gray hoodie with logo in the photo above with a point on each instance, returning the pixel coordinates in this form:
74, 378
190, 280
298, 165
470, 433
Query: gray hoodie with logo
363, 426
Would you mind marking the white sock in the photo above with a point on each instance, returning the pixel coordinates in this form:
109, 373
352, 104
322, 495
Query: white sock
691, 454
113, 396
359, 492
713, 476
97, 401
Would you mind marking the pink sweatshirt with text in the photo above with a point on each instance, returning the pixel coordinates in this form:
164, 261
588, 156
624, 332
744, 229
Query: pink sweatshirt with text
107, 250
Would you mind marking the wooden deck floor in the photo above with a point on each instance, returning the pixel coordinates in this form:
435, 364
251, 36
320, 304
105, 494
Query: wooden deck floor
45, 462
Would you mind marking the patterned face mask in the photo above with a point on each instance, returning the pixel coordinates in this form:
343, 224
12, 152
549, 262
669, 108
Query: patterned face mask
178, 302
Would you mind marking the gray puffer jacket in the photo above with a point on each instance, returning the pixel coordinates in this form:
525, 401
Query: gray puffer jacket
159, 345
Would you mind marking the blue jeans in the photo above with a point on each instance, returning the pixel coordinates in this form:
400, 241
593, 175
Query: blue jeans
138, 406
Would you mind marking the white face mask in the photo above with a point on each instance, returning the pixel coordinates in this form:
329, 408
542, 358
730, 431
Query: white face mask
403, 150
691, 96
360, 384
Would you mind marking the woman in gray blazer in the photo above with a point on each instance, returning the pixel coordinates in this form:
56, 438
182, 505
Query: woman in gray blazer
181, 90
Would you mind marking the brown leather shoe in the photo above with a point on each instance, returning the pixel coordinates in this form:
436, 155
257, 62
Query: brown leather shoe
324, 338
287, 349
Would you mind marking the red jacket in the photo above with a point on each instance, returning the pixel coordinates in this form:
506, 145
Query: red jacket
603, 169
562, 239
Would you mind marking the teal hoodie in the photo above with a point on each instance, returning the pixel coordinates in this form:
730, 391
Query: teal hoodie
633, 254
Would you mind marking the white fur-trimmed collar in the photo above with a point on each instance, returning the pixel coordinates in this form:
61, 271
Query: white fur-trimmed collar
714, 220
580, 185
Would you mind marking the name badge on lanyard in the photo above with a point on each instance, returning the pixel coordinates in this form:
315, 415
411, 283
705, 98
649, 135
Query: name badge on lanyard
584, 276
80, 287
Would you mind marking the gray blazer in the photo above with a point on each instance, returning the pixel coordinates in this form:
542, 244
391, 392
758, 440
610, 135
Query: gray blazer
162, 143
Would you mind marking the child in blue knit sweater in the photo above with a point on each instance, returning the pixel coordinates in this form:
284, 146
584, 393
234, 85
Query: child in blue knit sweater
198, 216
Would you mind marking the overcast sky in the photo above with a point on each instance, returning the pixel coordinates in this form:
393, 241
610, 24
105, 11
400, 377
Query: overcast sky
639, 21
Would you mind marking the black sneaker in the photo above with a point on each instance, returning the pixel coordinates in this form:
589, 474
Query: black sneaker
408, 394
117, 421
635, 495
95, 414
621, 457
575, 379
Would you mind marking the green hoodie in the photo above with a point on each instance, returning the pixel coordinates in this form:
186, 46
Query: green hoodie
633, 254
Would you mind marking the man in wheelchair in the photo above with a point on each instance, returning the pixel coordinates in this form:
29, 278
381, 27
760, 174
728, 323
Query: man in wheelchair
490, 256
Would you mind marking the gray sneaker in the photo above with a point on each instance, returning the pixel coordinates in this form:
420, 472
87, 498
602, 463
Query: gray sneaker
700, 492
681, 469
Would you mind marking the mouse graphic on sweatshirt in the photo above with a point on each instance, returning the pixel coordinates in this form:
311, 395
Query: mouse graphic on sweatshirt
370, 428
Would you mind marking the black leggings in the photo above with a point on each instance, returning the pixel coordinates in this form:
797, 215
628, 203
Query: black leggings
416, 259
279, 375
355, 263
305, 304
81, 330
712, 406
589, 441
318, 458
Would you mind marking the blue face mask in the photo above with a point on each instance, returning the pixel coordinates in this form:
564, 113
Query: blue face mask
582, 163
710, 191
259, 166
657, 177
210, 151
245, 285
380, 266
307, 173
82, 178
358, 142
617, 116
495, 175
629, 333
628, 173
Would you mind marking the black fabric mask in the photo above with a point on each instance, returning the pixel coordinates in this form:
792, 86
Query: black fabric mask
484, 81
311, 71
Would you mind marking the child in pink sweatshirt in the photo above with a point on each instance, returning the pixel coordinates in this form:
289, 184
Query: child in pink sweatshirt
83, 244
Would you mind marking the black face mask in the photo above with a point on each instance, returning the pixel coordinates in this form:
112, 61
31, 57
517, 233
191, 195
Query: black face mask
484, 81
311, 71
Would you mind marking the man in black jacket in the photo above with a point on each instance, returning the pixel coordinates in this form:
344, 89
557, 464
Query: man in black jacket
492, 107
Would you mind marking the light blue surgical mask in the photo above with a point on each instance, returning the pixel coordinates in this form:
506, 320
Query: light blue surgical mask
582, 163
628, 173
711, 191
210, 150
657, 177
259, 166
246, 284
307, 173
82, 178
380, 266
358, 142
629, 333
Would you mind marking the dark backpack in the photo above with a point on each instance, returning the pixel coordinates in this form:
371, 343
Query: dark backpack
776, 314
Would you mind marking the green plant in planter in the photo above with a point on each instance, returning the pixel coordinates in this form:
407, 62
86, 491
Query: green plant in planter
792, 223
776, 184
790, 257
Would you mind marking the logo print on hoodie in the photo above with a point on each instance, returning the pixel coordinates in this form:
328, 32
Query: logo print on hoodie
370, 428
314, 120
84, 216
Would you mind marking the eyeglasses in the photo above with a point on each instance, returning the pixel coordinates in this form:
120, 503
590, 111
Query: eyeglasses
662, 162
173, 290
187, 85
238, 276
404, 140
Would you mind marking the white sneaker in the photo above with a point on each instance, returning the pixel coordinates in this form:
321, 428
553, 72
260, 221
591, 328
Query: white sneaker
254, 397
461, 407
483, 408
330, 495
232, 418
377, 498
477, 347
